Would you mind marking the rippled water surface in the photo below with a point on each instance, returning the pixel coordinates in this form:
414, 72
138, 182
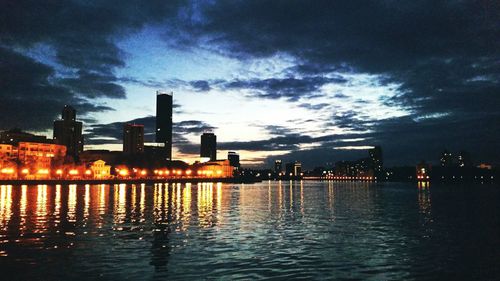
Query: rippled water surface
309, 230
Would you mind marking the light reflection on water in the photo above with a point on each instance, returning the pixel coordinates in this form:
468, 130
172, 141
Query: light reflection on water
279, 229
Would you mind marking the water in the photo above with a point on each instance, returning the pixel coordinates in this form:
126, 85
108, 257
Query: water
308, 230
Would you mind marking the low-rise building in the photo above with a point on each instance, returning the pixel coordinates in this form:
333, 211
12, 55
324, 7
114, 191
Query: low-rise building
100, 170
216, 169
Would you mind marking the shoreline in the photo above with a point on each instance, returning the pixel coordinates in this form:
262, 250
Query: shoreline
120, 181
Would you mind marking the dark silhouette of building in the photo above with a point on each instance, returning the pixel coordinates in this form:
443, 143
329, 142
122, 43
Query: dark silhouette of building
293, 169
464, 159
446, 159
133, 139
278, 166
15, 136
234, 159
208, 147
376, 159
164, 105
68, 132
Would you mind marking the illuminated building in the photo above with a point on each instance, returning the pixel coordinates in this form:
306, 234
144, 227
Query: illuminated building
278, 167
8, 152
164, 104
423, 171
234, 159
359, 168
446, 159
215, 169
34, 155
68, 132
100, 170
208, 148
133, 139
293, 169
40, 155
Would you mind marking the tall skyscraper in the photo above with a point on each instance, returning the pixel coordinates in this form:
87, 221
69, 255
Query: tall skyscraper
164, 104
133, 139
68, 132
208, 147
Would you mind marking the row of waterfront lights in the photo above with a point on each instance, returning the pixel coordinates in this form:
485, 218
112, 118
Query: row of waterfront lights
124, 172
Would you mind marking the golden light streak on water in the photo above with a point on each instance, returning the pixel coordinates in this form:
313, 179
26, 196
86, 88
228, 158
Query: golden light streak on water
86, 202
71, 216
5, 204
186, 206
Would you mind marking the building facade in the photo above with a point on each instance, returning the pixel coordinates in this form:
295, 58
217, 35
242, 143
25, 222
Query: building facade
36, 156
278, 167
293, 169
68, 132
208, 148
100, 170
133, 139
234, 159
214, 169
164, 106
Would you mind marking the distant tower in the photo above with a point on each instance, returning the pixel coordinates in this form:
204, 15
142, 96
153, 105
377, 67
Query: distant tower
164, 104
278, 166
234, 159
68, 132
208, 147
133, 139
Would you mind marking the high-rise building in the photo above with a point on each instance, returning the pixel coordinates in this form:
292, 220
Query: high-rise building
68, 132
234, 159
133, 139
208, 147
164, 105
376, 159
278, 166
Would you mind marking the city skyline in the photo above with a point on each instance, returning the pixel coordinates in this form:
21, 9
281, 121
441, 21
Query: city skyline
319, 83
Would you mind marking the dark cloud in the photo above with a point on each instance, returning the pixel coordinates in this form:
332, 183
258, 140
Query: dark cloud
93, 85
290, 88
113, 132
200, 85
444, 55
29, 99
64, 52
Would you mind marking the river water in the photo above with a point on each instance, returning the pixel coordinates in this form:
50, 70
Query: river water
280, 230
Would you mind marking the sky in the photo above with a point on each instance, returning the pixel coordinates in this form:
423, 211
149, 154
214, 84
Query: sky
313, 81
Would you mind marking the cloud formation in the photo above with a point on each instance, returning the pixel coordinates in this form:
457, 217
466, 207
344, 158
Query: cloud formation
64, 52
435, 62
